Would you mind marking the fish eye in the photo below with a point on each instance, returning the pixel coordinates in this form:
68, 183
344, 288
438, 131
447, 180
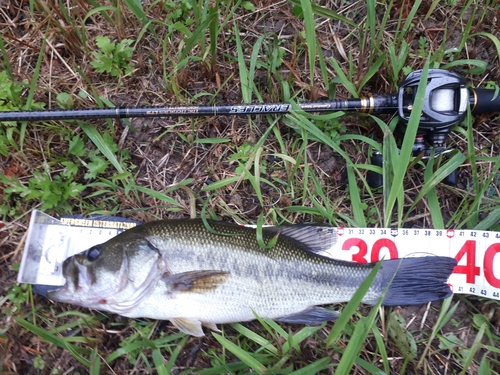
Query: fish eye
93, 253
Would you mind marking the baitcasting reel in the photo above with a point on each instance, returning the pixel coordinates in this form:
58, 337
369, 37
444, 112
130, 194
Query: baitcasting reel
445, 105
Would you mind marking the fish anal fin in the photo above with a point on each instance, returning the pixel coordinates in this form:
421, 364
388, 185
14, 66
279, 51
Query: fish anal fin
195, 281
311, 315
189, 326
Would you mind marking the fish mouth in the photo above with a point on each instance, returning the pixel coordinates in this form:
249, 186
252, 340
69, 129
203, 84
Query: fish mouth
60, 294
44, 290
79, 278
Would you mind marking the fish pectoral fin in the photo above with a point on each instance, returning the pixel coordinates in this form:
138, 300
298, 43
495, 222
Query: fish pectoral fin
195, 281
189, 326
311, 315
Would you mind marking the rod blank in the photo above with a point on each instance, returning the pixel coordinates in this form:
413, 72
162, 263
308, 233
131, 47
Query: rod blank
375, 104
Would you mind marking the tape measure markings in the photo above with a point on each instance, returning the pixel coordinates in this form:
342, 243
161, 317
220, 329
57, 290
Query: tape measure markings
478, 269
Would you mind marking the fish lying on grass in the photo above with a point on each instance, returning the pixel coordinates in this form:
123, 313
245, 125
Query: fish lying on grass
181, 271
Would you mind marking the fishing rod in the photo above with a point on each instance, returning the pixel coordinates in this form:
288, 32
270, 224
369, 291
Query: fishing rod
445, 105
446, 100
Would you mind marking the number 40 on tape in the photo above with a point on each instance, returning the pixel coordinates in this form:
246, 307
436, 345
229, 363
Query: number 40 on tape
477, 252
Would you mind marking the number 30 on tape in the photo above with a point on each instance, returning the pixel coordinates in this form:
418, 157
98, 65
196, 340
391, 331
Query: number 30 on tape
477, 252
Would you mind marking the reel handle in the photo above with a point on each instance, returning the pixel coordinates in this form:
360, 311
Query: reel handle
374, 179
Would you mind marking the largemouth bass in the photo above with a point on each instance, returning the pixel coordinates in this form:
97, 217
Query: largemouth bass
181, 271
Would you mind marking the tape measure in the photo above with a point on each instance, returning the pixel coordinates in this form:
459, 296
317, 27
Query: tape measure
477, 252
50, 241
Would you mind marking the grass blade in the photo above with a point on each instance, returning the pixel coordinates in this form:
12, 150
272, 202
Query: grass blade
355, 195
342, 78
95, 362
383, 351
431, 180
432, 197
253, 65
371, 20
295, 339
130, 348
492, 219
258, 339
136, 7
475, 347
314, 368
49, 337
246, 87
159, 364
195, 37
493, 38
400, 161
356, 343
352, 306
310, 37
374, 68
243, 355
327, 13
372, 369
31, 93
409, 19
6, 64
444, 316
158, 195
101, 145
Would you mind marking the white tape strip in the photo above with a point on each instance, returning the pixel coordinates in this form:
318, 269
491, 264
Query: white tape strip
477, 252
50, 241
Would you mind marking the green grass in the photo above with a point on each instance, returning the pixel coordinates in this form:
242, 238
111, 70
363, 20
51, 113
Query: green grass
265, 169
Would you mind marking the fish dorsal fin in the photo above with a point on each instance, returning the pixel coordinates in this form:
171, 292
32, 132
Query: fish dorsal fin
195, 281
316, 237
188, 326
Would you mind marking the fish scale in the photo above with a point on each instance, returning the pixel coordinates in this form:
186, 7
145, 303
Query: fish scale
193, 275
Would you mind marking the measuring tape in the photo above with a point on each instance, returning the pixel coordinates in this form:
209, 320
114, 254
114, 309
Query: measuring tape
477, 252
50, 241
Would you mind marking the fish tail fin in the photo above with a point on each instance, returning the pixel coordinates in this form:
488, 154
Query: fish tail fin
416, 280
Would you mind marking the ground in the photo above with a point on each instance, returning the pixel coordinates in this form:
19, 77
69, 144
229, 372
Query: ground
188, 52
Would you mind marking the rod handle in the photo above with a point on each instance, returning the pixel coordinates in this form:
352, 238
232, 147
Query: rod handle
375, 180
484, 101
